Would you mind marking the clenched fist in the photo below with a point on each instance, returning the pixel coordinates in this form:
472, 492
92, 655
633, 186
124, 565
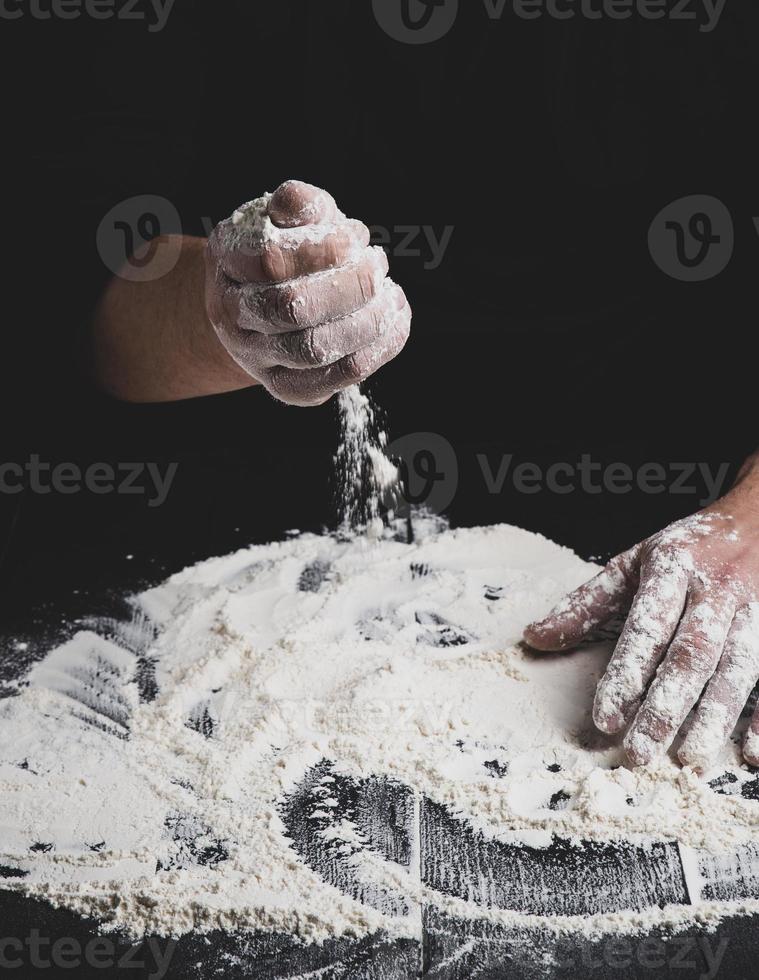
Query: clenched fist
299, 298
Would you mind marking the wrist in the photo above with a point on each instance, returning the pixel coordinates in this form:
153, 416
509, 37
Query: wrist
750, 469
215, 368
152, 340
743, 497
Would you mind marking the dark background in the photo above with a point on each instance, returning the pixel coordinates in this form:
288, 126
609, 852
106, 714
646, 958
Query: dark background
547, 330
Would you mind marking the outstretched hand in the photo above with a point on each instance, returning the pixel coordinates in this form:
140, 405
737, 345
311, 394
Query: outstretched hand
691, 597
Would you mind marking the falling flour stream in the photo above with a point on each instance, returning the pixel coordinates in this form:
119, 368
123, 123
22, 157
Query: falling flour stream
366, 477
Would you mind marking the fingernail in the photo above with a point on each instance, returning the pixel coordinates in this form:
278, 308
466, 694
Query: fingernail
531, 635
609, 722
641, 749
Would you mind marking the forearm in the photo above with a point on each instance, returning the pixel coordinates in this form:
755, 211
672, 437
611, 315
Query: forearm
152, 341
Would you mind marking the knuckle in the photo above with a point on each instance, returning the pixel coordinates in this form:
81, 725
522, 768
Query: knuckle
695, 655
310, 350
665, 558
300, 349
366, 286
375, 321
403, 325
283, 386
286, 305
215, 248
273, 382
352, 368
642, 628
653, 721
360, 231
332, 252
272, 263
250, 309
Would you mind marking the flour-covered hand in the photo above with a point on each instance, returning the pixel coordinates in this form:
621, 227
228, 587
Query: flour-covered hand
299, 298
691, 598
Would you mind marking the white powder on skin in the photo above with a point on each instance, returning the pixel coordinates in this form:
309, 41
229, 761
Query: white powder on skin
164, 815
251, 221
250, 227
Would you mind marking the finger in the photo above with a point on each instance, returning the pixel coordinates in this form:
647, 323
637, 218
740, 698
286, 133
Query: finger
291, 252
690, 662
727, 692
315, 386
296, 203
312, 300
328, 343
648, 631
588, 607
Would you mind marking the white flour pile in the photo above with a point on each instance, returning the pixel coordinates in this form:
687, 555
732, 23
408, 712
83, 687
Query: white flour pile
148, 789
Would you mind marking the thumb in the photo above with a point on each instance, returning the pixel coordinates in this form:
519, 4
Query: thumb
295, 203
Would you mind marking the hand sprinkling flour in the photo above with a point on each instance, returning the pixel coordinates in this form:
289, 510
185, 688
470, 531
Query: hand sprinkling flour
298, 297
691, 597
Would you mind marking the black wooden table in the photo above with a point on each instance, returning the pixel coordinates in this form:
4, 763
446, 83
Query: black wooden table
450, 857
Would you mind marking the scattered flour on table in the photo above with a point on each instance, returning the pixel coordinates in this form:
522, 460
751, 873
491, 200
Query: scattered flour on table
143, 775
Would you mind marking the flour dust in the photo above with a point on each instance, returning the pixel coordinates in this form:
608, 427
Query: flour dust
366, 478
318, 738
